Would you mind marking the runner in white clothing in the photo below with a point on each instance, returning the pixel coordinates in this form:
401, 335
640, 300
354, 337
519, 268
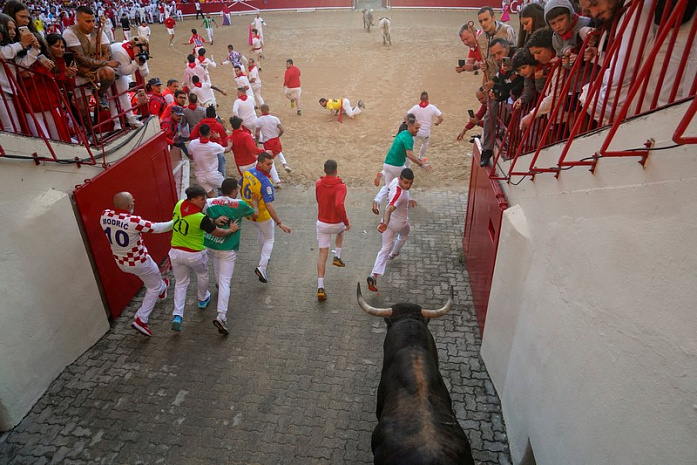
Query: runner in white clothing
204, 92
205, 156
269, 132
395, 226
244, 108
255, 82
425, 114
243, 81
123, 231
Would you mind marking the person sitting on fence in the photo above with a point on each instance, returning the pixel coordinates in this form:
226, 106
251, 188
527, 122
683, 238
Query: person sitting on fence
92, 54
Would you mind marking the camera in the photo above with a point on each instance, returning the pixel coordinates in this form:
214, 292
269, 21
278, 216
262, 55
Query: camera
142, 57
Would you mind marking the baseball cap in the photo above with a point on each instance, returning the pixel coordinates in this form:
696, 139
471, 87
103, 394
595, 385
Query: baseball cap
155, 82
177, 110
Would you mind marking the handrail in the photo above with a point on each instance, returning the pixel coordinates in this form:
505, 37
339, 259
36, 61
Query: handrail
85, 132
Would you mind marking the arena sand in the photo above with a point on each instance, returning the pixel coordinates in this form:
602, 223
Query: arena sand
337, 59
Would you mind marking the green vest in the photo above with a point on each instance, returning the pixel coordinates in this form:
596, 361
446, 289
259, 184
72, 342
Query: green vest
186, 231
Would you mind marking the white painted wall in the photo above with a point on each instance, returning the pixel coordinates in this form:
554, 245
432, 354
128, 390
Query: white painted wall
50, 310
591, 331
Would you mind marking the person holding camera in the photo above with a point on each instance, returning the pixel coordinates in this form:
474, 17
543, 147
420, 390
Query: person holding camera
131, 56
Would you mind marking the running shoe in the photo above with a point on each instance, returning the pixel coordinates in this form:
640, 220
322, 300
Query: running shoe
204, 303
261, 274
163, 296
300, 112
292, 103
376, 208
287, 168
392, 256
177, 323
372, 284
140, 326
321, 294
361, 105
338, 262
221, 325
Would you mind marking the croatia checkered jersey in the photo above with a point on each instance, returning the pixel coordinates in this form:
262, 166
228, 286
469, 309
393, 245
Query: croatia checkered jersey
123, 231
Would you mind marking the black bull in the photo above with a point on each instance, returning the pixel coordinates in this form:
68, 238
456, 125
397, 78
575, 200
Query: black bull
416, 422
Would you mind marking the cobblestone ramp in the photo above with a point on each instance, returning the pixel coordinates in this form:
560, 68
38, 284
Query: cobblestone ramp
294, 382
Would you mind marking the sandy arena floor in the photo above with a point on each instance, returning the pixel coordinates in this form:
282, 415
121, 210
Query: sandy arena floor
338, 59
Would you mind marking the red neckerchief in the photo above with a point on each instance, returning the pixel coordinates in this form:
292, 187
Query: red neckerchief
197, 84
262, 172
242, 97
570, 33
192, 65
251, 67
192, 106
264, 114
187, 208
129, 49
423, 104
201, 58
241, 74
204, 140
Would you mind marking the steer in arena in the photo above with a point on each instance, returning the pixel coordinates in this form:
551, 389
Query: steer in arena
384, 25
416, 422
367, 19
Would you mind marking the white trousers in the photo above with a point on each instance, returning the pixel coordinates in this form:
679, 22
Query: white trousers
149, 273
393, 240
266, 238
390, 172
210, 34
425, 142
346, 106
183, 263
256, 88
122, 88
223, 267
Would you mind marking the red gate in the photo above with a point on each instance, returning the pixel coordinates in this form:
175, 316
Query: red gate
485, 205
146, 173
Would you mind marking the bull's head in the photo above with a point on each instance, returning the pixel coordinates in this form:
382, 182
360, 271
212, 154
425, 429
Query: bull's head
387, 312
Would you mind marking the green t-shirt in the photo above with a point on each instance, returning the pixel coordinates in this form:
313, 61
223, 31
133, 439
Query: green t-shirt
235, 209
186, 230
397, 155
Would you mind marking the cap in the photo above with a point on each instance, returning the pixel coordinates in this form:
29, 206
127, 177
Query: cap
155, 82
177, 110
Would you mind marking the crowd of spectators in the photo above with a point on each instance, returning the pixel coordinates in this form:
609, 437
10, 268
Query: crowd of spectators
543, 79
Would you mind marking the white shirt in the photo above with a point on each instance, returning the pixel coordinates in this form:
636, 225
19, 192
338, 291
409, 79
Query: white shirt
144, 31
126, 65
242, 81
191, 72
254, 74
205, 156
268, 127
204, 93
425, 117
245, 110
71, 39
256, 44
399, 198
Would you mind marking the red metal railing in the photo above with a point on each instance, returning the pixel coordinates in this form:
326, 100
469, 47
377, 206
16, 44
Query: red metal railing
642, 66
43, 107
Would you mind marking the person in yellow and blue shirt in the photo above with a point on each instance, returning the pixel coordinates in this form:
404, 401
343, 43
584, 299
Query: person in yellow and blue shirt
258, 189
341, 105
188, 252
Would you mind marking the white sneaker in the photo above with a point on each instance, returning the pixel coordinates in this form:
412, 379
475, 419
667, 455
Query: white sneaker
221, 325
135, 122
287, 168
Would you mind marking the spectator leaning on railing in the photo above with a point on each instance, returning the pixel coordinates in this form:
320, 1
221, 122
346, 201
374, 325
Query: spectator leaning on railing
10, 46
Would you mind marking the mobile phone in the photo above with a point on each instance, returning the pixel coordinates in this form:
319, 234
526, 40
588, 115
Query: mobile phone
460, 63
23, 31
506, 60
68, 57
471, 113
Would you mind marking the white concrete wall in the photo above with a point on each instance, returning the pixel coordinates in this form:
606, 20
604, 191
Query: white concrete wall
591, 332
50, 309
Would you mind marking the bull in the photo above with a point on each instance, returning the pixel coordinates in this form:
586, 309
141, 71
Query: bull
367, 19
384, 25
416, 422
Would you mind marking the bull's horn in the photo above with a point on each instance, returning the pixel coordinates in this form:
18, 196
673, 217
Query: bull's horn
382, 312
441, 311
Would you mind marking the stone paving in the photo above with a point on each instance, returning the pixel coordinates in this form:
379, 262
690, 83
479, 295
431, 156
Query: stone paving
294, 382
